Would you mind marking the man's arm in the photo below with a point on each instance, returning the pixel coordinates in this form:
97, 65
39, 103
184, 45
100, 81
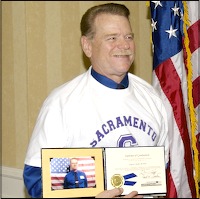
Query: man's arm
65, 183
33, 181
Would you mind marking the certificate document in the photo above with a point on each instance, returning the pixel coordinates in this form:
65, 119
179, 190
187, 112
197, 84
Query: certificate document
140, 169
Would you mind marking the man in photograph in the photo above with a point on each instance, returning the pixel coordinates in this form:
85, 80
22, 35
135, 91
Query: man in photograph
75, 178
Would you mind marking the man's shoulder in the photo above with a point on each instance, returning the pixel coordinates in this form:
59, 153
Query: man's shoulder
81, 172
70, 85
141, 84
71, 88
68, 174
138, 81
142, 87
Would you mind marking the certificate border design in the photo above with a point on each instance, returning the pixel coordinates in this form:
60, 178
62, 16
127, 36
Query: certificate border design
48, 153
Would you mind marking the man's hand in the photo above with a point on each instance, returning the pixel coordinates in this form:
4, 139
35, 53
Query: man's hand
116, 192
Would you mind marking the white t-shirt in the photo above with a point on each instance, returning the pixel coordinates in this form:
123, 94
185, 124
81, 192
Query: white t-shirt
85, 113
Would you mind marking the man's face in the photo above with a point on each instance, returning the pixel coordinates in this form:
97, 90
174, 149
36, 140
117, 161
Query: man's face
73, 164
112, 48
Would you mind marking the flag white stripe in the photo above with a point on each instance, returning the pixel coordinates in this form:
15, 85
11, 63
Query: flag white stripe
195, 64
193, 11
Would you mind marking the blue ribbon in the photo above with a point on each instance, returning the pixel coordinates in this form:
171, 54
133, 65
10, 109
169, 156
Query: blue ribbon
128, 176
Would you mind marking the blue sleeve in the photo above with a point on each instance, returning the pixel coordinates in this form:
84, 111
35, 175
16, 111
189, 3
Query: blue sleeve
33, 181
65, 183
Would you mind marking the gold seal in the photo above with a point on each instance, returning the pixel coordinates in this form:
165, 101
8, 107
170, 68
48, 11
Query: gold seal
117, 180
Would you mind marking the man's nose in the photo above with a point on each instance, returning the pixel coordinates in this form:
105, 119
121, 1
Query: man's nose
123, 44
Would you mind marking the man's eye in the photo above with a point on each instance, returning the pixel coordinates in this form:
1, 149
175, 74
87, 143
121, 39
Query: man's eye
111, 38
130, 37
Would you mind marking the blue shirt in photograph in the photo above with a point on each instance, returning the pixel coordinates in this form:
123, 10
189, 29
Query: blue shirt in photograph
69, 181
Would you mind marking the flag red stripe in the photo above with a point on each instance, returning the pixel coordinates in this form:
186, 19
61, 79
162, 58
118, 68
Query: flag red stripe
198, 144
87, 170
171, 86
57, 178
90, 176
196, 91
91, 181
80, 159
171, 185
86, 164
57, 184
194, 35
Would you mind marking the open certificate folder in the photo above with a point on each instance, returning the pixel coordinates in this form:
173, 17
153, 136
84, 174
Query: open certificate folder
139, 169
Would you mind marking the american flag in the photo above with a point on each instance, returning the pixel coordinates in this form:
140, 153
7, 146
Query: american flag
60, 167
172, 68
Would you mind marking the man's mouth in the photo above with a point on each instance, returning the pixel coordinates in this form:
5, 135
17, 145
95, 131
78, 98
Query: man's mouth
122, 55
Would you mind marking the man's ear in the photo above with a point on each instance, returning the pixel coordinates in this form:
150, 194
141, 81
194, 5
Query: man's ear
86, 46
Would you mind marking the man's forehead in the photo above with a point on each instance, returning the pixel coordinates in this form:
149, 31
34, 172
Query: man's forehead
74, 161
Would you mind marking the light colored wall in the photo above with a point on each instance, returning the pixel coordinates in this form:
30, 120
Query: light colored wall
12, 184
40, 51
